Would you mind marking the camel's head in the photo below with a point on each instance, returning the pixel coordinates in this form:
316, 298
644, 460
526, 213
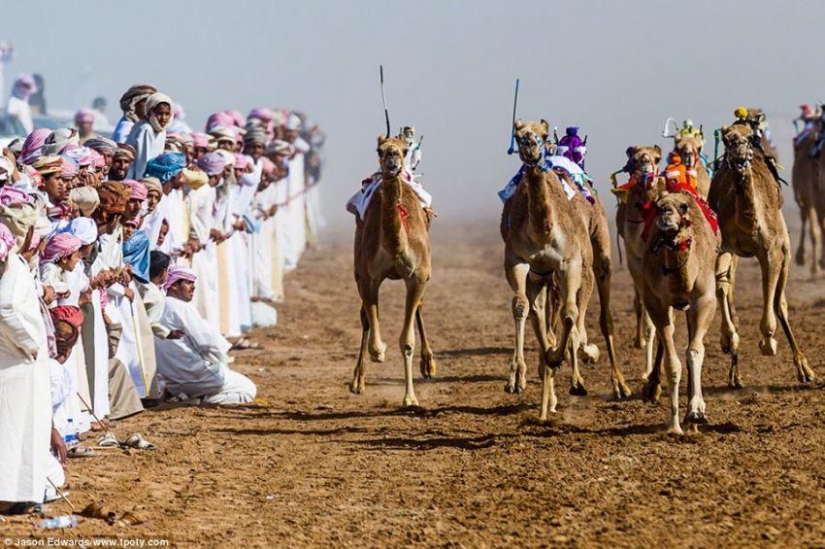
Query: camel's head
688, 147
738, 146
644, 161
672, 212
531, 138
391, 154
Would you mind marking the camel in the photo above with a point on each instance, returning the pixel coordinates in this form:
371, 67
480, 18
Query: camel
804, 180
689, 147
630, 219
392, 242
748, 201
678, 264
546, 243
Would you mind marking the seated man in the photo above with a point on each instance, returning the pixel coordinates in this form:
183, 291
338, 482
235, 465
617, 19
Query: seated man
196, 365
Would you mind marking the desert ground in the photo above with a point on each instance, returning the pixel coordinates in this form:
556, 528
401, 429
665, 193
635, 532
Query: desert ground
309, 464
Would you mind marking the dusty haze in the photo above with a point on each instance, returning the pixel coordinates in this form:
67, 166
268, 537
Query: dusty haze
617, 69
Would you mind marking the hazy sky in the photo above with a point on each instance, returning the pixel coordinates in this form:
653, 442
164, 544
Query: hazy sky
615, 68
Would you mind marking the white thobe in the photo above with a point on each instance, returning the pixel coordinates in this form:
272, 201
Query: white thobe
207, 299
148, 144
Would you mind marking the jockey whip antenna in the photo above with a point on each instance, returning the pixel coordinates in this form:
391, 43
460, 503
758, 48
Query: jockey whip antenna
666, 131
512, 148
384, 100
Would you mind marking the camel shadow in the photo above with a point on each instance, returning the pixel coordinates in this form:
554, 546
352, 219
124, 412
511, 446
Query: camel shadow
411, 444
478, 351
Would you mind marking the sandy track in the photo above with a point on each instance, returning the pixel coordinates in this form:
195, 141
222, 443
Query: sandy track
313, 465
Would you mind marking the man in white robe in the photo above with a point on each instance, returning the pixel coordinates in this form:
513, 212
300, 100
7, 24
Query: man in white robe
196, 366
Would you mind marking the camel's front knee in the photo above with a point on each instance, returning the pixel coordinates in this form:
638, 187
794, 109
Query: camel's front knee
521, 307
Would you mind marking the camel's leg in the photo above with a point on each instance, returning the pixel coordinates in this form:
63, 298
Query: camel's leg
377, 348
639, 343
603, 279
663, 320
650, 341
415, 291
584, 353
517, 276
428, 367
725, 273
537, 296
553, 312
652, 388
357, 385
816, 236
804, 215
699, 319
771, 264
569, 282
804, 372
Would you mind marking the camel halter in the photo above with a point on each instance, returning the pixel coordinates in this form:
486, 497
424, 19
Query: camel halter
673, 245
541, 163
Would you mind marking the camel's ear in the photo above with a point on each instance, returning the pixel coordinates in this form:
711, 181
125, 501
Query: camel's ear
518, 125
725, 130
658, 150
545, 129
630, 152
381, 140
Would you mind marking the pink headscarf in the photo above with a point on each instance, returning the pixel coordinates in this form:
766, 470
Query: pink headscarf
139, 190
179, 273
268, 166
82, 156
201, 140
33, 144
59, 246
37, 179
237, 118
219, 119
211, 163
98, 162
263, 114
84, 115
11, 196
7, 242
69, 167
241, 161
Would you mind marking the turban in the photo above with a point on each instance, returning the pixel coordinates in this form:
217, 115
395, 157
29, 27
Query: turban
293, 122
86, 199
152, 184
19, 219
101, 145
46, 165
255, 133
237, 118
151, 103
83, 228
136, 253
166, 166
82, 156
137, 191
59, 246
194, 179
261, 113
98, 162
114, 196
7, 242
224, 133
211, 163
24, 86
228, 157
7, 166
16, 145
174, 143
69, 168
186, 138
84, 115
219, 119
33, 145
59, 139
278, 147
241, 162
34, 176
10, 196
125, 151
179, 273
68, 313
268, 166
133, 96
200, 140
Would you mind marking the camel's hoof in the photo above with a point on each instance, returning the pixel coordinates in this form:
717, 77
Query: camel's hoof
578, 390
639, 343
736, 383
651, 392
622, 391
675, 430
410, 401
805, 375
799, 258
768, 346
428, 367
509, 388
356, 389
589, 353
696, 418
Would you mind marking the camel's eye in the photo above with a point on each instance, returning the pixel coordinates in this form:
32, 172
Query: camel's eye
683, 209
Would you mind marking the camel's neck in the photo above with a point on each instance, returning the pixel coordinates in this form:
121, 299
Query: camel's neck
540, 202
677, 260
393, 214
747, 199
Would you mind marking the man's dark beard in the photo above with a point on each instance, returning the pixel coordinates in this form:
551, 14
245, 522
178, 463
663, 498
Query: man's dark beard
116, 176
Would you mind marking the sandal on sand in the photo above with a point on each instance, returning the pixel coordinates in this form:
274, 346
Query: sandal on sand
108, 441
81, 451
23, 508
137, 441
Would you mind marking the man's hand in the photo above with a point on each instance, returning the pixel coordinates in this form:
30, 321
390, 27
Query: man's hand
48, 294
58, 446
176, 334
130, 295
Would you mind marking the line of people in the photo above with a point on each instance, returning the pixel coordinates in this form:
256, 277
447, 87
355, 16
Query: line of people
132, 266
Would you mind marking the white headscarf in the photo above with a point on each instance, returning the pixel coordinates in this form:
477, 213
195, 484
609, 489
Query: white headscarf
153, 101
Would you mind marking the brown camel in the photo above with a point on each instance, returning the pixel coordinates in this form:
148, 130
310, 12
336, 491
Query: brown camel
635, 199
689, 147
679, 274
748, 201
546, 242
392, 242
805, 182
